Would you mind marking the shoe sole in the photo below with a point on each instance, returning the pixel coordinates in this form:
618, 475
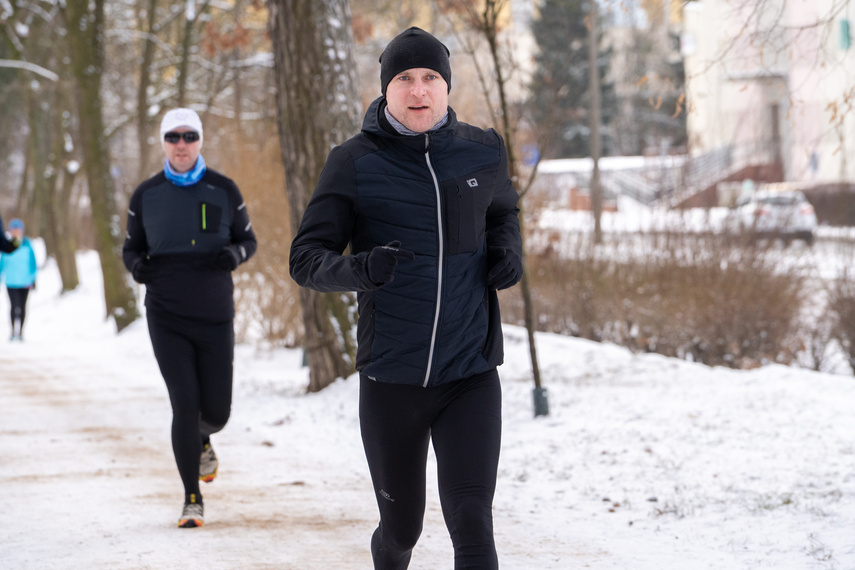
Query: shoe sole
208, 478
189, 523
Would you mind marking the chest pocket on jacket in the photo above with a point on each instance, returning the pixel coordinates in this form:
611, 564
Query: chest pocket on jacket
466, 200
210, 216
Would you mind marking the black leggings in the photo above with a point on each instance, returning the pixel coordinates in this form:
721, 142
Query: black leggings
18, 299
464, 420
195, 359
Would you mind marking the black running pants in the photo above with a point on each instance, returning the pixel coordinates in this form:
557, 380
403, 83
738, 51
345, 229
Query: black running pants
18, 300
464, 421
195, 359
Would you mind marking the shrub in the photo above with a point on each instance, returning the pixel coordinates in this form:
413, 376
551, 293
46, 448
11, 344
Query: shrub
841, 305
267, 302
692, 296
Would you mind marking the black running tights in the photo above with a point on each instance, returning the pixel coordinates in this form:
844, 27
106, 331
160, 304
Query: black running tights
463, 419
195, 359
18, 299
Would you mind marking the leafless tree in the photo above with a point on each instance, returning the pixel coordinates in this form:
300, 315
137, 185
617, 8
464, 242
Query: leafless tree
315, 81
485, 20
44, 192
85, 36
595, 117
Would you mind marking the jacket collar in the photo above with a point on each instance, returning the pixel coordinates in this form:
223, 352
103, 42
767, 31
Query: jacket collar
375, 123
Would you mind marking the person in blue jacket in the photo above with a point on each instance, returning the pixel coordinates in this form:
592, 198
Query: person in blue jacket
425, 204
188, 229
19, 270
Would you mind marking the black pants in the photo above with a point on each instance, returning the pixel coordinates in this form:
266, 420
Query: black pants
464, 421
195, 359
18, 299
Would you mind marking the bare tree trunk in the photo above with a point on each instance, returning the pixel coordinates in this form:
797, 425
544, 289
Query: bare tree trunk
311, 75
144, 124
490, 29
23, 188
44, 174
187, 41
184, 63
487, 23
30, 198
594, 78
236, 79
58, 210
48, 211
528, 312
58, 213
85, 35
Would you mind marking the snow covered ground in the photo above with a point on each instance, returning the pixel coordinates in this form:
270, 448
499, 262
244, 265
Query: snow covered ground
644, 462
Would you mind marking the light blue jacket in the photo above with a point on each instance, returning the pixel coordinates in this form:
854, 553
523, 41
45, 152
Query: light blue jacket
19, 268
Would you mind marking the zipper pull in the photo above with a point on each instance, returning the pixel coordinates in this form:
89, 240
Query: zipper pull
427, 142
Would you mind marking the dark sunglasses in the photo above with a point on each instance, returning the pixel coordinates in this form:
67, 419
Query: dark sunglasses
189, 137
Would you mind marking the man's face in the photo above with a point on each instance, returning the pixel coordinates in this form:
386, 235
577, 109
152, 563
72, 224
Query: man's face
418, 98
182, 155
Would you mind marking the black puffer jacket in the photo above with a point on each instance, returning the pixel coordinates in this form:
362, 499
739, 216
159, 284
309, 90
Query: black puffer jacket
445, 195
180, 231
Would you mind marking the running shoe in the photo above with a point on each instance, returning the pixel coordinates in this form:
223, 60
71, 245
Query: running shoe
208, 464
192, 515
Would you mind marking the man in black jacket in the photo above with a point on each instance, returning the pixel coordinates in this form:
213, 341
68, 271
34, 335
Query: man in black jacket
188, 229
426, 205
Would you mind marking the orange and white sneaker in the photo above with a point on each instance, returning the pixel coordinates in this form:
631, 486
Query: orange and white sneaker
208, 464
193, 513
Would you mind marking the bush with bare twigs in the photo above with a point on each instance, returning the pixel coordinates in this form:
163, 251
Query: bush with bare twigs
267, 302
841, 306
692, 296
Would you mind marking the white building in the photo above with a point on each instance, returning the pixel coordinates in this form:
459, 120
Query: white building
773, 81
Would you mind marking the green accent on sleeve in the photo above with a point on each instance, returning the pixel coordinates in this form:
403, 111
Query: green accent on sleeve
204, 221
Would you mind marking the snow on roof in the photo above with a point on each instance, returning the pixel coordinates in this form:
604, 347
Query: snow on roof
566, 165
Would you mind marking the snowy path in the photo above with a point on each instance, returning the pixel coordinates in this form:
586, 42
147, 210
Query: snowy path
645, 462
88, 482
88, 479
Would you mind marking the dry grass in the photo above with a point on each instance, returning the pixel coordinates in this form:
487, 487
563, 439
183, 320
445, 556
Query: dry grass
266, 299
841, 308
689, 296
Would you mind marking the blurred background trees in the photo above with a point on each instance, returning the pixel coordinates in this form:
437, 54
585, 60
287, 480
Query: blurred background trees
84, 85
246, 67
80, 125
560, 85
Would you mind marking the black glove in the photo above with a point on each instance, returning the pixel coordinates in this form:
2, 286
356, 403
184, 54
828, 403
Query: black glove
142, 271
229, 258
383, 260
13, 243
505, 268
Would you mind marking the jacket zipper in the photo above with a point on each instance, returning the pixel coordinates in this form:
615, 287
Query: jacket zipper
440, 258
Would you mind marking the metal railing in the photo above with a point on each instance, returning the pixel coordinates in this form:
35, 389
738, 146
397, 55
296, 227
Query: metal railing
663, 180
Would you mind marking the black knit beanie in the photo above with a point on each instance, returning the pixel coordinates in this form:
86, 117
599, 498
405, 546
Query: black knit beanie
414, 48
